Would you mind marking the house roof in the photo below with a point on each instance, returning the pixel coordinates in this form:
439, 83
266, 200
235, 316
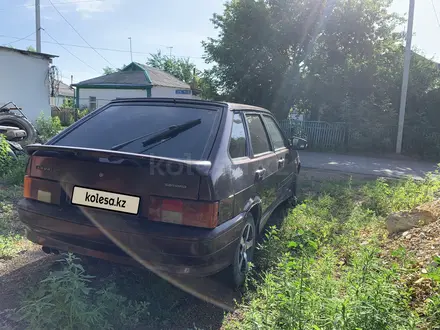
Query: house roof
118, 78
162, 78
28, 53
65, 90
136, 75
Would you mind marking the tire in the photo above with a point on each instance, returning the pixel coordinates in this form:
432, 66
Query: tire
239, 269
22, 123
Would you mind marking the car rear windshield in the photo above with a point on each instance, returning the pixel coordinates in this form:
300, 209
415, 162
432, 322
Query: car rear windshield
121, 123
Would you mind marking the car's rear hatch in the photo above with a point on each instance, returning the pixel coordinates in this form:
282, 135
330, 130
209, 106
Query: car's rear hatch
79, 169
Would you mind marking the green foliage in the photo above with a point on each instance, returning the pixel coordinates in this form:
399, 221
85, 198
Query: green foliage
186, 71
384, 197
109, 70
68, 102
11, 229
10, 246
48, 127
66, 300
320, 272
336, 61
11, 170
433, 303
5, 158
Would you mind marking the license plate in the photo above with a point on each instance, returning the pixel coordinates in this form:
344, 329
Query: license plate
105, 200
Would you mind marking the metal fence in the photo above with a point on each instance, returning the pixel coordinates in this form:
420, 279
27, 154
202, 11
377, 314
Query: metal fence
417, 141
319, 134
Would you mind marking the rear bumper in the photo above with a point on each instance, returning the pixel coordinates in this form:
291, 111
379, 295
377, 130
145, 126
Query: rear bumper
132, 240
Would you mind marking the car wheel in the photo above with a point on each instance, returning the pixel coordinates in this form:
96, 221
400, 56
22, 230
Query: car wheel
244, 253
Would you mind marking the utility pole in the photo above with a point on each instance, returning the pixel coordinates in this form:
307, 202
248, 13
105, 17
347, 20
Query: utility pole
37, 25
131, 52
406, 67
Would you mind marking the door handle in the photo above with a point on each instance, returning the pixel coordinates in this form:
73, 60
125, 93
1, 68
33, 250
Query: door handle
259, 174
281, 162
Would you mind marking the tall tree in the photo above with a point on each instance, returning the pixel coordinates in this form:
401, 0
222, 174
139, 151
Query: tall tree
180, 68
108, 70
186, 71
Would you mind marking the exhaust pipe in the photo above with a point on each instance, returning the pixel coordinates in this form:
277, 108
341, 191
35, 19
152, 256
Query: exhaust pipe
49, 250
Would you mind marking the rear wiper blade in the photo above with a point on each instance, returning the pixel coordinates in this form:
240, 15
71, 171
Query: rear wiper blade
160, 135
172, 131
123, 144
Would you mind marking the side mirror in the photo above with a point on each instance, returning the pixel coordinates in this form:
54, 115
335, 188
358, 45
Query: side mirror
298, 144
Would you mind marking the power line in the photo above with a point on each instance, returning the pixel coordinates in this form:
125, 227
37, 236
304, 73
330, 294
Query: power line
435, 13
69, 51
56, 3
20, 39
105, 49
79, 33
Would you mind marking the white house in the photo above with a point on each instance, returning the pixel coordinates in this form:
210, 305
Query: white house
24, 80
64, 93
135, 80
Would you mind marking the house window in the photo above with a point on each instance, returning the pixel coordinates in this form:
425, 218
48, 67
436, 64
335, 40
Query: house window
92, 103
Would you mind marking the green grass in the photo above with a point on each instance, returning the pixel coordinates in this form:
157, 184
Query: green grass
322, 269
12, 239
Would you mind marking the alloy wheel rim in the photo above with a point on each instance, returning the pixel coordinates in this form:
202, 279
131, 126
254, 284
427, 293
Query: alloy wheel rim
246, 243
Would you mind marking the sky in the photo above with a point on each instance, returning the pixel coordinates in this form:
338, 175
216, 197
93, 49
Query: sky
152, 25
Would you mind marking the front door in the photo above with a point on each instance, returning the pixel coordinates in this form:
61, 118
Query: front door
286, 174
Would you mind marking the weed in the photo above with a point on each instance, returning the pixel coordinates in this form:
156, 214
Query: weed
66, 300
11, 229
321, 271
384, 197
48, 127
433, 303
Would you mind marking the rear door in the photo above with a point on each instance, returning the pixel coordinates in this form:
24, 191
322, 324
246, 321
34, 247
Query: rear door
285, 162
264, 161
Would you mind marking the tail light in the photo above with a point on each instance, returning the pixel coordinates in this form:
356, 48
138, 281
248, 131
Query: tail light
183, 212
41, 190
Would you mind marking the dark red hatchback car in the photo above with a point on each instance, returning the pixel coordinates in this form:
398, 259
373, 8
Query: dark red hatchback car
182, 186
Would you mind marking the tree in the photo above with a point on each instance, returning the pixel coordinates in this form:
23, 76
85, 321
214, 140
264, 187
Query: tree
108, 70
31, 49
186, 71
180, 68
260, 49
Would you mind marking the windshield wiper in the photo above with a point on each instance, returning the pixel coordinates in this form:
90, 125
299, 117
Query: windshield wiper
123, 144
172, 132
158, 136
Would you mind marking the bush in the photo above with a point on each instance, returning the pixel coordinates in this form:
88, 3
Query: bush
66, 300
48, 127
11, 170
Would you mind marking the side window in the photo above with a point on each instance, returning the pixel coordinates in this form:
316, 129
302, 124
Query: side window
237, 144
259, 140
274, 132
92, 103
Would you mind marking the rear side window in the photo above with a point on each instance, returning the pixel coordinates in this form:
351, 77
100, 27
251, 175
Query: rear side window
259, 140
237, 145
121, 123
274, 132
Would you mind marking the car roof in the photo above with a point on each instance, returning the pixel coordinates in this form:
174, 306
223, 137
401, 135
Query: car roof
245, 107
229, 105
